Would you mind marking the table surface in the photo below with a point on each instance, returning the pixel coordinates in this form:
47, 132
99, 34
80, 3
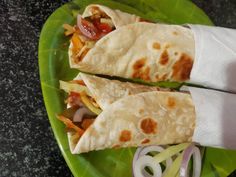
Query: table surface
27, 145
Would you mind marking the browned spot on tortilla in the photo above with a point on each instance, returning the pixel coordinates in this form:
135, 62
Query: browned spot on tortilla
141, 111
136, 74
139, 63
182, 68
175, 32
156, 45
161, 78
148, 126
176, 53
164, 58
116, 146
142, 73
125, 136
86, 123
145, 141
145, 75
171, 102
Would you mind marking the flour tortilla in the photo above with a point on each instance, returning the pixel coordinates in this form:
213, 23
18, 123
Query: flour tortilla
151, 52
142, 119
118, 18
105, 92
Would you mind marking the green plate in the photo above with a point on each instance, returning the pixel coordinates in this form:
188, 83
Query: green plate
53, 64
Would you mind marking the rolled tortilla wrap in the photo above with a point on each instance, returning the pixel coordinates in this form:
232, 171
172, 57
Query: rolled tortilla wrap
158, 118
147, 51
155, 52
103, 92
163, 117
142, 119
114, 18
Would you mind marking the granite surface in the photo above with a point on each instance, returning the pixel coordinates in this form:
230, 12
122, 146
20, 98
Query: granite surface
27, 145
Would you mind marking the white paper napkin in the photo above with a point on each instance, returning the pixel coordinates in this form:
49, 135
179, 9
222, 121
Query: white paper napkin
215, 57
215, 118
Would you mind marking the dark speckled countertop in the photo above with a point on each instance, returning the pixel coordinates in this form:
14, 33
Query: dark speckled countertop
27, 145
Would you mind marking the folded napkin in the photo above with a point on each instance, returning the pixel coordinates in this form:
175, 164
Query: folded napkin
215, 118
215, 57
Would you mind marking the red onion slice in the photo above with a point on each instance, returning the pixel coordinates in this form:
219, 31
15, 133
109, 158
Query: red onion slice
146, 161
79, 114
188, 152
87, 28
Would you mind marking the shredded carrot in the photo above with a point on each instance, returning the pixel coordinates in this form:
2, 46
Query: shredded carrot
77, 43
70, 124
86, 123
83, 54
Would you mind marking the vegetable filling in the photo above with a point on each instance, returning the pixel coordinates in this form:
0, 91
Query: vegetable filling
87, 31
82, 108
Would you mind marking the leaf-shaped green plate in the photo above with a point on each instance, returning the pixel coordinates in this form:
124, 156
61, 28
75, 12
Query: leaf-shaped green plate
53, 63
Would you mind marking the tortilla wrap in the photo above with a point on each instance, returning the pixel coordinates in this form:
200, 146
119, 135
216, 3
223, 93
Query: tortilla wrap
117, 17
147, 51
142, 119
105, 92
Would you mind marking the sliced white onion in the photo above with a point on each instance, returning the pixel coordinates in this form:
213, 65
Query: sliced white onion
154, 148
146, 161
188, 152
142, 160
149, 149
79, 114
135, 158
140, 152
